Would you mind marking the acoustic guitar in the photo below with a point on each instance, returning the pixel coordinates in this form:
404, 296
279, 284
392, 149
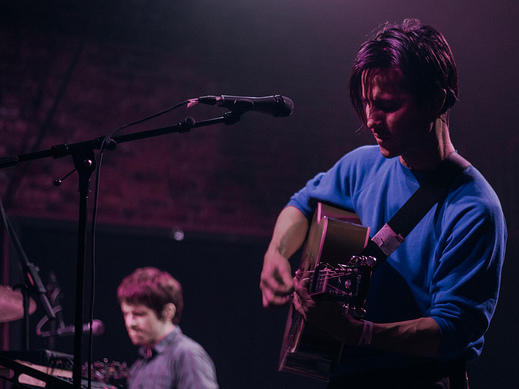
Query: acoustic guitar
331, 257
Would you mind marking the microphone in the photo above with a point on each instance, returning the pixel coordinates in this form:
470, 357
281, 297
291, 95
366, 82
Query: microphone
98, 328
275, 105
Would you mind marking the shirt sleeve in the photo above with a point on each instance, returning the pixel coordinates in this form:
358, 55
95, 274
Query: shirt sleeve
466, 279
333, 186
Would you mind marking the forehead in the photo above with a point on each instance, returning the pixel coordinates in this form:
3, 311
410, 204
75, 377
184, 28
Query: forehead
141, 308
382, 83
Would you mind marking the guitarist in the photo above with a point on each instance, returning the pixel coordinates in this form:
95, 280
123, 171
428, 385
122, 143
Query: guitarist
431, 301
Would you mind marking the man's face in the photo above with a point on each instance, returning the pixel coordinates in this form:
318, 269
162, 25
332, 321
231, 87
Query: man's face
396, 121
142, 324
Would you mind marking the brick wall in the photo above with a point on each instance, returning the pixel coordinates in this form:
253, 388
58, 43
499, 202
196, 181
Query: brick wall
204, 180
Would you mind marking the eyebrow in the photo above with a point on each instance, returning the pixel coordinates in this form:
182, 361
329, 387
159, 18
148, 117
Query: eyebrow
380, 100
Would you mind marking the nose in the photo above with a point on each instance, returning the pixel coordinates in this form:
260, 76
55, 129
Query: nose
373, 117
129, 320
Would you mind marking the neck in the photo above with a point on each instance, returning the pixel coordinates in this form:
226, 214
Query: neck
166, 330
435, 147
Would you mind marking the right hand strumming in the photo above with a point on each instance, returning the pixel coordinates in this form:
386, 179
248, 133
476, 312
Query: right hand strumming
276, 281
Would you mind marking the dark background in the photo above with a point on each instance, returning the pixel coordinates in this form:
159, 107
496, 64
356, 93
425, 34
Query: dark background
73, 70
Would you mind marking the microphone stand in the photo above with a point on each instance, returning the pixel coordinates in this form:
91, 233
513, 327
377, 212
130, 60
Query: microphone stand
32, 281
84, 161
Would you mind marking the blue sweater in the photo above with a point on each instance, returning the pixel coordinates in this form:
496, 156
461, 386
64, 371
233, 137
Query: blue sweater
448, 267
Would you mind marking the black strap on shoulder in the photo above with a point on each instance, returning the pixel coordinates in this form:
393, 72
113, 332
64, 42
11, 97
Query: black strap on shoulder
393, 233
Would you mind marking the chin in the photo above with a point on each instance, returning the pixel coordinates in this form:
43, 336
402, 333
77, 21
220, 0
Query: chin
138, 341
386, 152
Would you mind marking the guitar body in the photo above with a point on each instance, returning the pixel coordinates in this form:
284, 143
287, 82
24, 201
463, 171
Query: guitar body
335, 239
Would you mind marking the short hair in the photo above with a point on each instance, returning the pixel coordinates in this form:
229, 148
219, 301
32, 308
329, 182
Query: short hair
419, 51
153, 288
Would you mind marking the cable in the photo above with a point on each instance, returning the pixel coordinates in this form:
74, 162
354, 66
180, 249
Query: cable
178, 105
99, 162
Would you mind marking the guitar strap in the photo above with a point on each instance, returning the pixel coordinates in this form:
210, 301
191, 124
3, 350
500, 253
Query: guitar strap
393, 233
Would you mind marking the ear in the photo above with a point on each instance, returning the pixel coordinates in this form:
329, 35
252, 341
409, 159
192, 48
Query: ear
432, 109
169, 311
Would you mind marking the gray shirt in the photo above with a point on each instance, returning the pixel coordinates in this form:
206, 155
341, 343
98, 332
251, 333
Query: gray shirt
176, 362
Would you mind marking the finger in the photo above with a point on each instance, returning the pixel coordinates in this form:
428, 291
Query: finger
298, 306
297, 283
302, 283
301, 287
276, 301
305, 283
285, 278
305, 273
265, 301
276, 286
269, 299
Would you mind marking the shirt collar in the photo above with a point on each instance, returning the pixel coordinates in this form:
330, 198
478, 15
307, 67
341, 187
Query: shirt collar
159, 348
